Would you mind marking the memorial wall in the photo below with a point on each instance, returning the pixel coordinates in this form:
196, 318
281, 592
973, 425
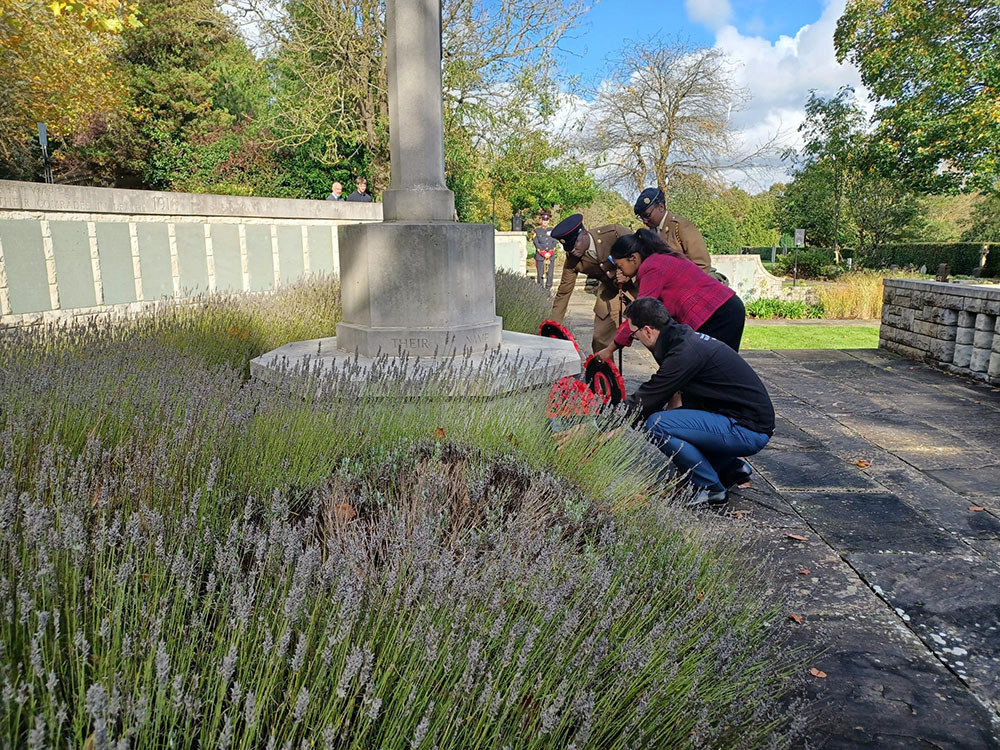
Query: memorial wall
71, 252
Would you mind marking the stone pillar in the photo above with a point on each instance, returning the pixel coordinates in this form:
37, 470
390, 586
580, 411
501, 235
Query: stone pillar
982, 344
964, 337
420, 283
416, 115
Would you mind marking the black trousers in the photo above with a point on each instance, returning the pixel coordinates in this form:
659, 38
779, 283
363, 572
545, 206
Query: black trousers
726, 323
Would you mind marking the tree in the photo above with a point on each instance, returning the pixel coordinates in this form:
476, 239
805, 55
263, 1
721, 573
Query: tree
172, 133
330, 75
934, 68
985, 221
533, 173
806, 204
832, 130
55, 67
881, 208
664, 111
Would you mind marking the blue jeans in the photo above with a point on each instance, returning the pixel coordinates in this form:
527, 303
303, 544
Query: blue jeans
704, 443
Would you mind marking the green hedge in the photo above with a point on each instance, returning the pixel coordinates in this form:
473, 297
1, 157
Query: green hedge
961, 257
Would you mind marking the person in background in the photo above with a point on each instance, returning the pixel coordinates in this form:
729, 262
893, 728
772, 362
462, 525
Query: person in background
727, 411
587, 253
692, 298
336, 189
545, 251
674, 230
360, 194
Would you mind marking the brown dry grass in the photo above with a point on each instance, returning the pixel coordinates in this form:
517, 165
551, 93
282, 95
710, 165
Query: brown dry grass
857, 295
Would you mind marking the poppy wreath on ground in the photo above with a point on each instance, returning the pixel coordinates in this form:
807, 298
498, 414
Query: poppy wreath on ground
570, 397
604, 380
552, 330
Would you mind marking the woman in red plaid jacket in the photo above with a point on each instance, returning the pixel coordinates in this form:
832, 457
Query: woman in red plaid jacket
691, 296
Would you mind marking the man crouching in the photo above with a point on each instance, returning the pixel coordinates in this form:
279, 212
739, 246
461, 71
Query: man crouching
726, 412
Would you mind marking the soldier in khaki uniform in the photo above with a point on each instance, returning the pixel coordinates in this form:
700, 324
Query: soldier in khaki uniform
676, 231
587, 253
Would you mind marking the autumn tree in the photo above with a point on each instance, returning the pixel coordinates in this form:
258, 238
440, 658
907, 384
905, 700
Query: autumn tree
664, 111
934, 69
56, 67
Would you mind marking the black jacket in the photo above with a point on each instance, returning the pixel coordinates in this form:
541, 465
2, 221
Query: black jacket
357, 197
709, 375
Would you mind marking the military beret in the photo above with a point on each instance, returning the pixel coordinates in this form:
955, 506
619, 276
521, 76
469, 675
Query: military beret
566, 231
647, 198
545, 215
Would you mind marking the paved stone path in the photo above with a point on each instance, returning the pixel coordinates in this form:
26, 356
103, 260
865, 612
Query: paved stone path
890, 470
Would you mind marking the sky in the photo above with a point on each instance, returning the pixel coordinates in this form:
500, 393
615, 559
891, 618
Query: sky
780, 50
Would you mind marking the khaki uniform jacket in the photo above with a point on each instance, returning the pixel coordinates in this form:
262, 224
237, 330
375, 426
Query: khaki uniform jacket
602, 238
683, 235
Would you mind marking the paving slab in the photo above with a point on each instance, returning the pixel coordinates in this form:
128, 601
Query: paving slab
883, 690
974, 481
869, 522
952, 603
806, 470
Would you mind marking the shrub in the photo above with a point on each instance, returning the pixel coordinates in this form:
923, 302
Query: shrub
961, 257
779, 308
521, 302
194, 560
812, 264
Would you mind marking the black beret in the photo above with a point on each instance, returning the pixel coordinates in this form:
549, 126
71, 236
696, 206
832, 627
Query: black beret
567, 230
647, 198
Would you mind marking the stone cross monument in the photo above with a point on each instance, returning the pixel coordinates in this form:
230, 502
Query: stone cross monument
418, 283
420, 286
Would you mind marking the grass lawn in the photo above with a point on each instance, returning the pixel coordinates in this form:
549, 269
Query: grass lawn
810, 337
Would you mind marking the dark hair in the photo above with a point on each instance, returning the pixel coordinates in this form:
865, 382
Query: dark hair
648, 311
645, 242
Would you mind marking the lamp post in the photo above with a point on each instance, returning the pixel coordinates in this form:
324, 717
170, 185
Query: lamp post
43, 141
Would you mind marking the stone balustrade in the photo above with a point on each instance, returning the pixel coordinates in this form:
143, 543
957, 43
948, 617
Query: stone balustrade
953, 326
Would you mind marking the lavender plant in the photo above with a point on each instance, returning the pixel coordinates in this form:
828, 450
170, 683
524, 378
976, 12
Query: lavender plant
188, 558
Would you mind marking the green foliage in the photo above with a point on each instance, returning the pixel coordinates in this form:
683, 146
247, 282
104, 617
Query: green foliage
810, 337
843, 193
932, 68
985, 221
812, 263
779, 308
962, 257
533, 172
728, 218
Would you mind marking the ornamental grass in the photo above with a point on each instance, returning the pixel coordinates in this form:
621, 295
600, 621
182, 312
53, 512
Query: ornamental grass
191, 558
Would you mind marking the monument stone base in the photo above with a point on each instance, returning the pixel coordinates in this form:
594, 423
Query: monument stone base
426, 288
520, 362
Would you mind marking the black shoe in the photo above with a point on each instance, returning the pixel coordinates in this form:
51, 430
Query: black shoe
735, 478
705, 498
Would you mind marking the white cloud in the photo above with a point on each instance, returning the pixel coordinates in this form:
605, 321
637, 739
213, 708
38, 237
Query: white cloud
711, 13
779, 76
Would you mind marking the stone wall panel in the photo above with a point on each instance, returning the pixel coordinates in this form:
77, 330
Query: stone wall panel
955, 326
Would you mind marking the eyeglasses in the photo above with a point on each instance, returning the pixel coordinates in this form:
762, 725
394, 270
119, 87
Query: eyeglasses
632, 327
648, 212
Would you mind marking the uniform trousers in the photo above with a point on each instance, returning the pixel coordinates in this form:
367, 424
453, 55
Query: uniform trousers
540, 264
